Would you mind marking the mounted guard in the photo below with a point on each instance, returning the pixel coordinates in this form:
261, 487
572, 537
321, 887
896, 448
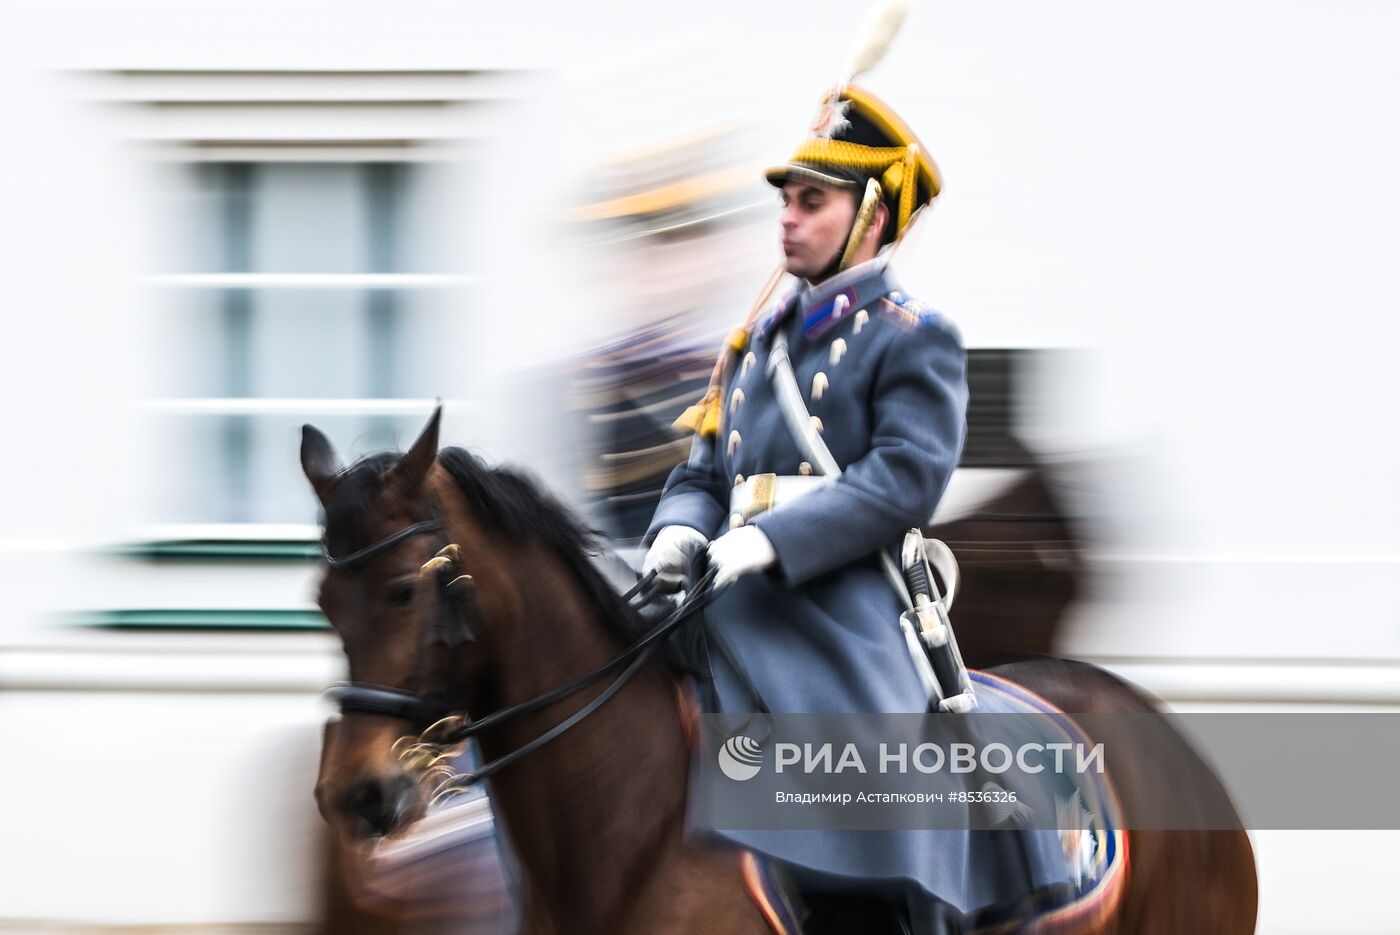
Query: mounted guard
833, 421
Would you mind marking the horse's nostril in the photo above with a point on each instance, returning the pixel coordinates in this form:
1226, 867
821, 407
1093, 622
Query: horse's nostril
381, 806
366, 803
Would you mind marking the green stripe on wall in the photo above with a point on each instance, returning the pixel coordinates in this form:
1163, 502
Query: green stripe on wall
201, 619
226, 549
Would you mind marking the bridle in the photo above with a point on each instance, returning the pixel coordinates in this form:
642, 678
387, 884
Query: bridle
367, 698
425, 752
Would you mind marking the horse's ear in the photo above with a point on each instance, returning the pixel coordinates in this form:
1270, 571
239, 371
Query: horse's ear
319, 460
409, 473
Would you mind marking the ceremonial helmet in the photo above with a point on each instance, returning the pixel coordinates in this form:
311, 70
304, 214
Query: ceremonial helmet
856, 139
858, 144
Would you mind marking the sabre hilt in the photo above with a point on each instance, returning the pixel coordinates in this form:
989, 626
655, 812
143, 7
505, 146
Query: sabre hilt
929, 618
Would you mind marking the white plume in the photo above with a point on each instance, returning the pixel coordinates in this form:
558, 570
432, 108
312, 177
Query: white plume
876, 33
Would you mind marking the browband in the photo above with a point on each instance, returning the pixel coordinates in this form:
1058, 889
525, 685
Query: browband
383, 545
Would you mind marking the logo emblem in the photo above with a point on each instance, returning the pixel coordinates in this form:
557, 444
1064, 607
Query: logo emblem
740, 758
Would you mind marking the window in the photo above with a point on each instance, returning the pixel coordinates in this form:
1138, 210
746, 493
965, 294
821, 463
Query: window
312, 262
298, 291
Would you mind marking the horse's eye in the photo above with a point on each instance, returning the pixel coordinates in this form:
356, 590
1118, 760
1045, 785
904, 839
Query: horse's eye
401, 595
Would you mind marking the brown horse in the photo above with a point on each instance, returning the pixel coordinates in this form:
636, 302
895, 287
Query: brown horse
598, 835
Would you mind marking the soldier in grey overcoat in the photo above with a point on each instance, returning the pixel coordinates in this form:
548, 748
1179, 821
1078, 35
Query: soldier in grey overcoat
807, 610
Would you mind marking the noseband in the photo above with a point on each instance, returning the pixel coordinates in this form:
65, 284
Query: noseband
446, 728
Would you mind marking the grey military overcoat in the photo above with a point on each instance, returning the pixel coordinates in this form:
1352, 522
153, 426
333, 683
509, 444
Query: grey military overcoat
885, 377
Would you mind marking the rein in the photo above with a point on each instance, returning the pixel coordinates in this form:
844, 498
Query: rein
425, 752
639, 651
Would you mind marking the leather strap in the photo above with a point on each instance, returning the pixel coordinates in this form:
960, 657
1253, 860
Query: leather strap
809, 440
383, 545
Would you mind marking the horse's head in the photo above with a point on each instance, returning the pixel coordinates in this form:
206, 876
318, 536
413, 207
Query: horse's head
385, 597
427, 635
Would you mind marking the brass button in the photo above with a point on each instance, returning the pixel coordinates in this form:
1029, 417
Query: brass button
838, 350
734, 440
738, 479
804, 469
735, 398
862, 317
817, 424
819, 385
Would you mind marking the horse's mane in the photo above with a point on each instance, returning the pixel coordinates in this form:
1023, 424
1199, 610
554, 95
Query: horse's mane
508, 501
514, 505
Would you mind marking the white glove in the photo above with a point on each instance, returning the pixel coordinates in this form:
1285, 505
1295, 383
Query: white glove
740, 552
671, 552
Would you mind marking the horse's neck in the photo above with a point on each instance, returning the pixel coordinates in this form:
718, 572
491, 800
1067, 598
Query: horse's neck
591, 810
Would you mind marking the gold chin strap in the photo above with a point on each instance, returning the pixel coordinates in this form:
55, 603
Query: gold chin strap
865, 215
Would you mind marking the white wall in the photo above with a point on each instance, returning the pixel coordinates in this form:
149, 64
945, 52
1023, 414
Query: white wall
1203, 195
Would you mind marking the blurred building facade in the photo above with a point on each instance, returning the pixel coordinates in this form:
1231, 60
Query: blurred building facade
223, 225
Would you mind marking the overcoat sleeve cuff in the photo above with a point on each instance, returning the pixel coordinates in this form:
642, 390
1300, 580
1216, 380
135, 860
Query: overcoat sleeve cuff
693, 508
